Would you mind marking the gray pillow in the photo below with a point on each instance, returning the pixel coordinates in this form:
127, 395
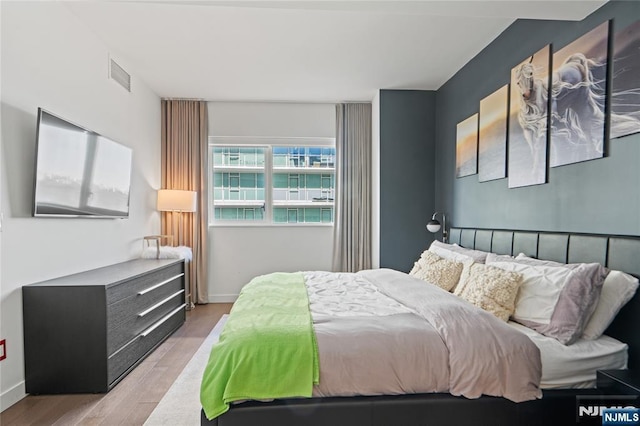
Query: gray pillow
577, 300
576, 304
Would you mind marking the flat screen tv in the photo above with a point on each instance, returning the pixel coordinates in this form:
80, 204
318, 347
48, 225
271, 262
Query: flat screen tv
79, 173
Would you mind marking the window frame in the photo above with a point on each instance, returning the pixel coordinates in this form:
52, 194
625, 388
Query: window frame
267, 143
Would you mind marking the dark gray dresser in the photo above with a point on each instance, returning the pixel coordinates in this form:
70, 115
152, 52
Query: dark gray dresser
84, 332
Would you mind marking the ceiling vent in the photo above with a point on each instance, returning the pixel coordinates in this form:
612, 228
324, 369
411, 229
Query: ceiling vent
119, 75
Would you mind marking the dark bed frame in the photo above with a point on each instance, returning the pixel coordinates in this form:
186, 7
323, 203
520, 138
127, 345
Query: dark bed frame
557, 407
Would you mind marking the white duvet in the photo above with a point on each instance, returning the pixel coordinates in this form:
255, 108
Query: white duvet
385, 332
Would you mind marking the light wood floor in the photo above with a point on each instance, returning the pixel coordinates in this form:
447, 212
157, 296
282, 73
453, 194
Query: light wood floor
134, 398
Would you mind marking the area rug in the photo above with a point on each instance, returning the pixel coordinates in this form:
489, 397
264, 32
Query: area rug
180, 406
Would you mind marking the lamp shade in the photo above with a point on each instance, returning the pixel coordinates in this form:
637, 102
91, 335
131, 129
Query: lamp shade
177, 200
433, 226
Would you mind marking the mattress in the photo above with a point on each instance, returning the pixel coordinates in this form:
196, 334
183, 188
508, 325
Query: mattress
574, 366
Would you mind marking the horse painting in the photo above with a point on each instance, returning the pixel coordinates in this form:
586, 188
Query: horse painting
528, 121
532, 115
577, 111
574, 101
625, 87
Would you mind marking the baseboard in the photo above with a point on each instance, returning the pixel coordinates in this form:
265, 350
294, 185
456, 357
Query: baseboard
222, 298
11, 396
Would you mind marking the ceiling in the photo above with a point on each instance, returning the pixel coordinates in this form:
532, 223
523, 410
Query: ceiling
308, 51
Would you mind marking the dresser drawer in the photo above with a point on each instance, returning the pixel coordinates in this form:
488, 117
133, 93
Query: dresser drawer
123, 328
144, 284
136, 304
127, 357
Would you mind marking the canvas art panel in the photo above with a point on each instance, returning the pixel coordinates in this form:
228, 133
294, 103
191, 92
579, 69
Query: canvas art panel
578, 95
528, 118
467, 146
492, 141
625, 85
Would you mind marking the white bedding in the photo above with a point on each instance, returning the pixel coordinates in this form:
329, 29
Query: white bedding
575, 366
384, 332
347, 295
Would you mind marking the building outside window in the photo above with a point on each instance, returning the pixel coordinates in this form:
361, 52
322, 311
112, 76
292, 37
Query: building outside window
278, 184
238, 183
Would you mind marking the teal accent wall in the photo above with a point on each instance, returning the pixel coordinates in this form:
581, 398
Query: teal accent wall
600, 196
407, 146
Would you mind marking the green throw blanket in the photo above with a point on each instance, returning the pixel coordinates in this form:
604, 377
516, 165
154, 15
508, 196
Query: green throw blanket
267, 349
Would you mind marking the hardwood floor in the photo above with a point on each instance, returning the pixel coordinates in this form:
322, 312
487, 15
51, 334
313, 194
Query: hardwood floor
135, 397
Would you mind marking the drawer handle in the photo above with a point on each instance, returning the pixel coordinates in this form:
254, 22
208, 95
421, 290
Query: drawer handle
163, 320
160, 303
148, 289
123, 347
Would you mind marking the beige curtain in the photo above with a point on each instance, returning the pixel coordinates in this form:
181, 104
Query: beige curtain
352, 228
184, 166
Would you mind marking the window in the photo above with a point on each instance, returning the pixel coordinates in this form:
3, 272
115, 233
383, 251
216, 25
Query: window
278, 184
238, 183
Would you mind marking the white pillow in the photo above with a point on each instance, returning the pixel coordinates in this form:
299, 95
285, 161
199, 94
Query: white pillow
447, 251
521, 257
450, 255
557, 301
539, 292
493, 257
478, 256
617, 290
167, 252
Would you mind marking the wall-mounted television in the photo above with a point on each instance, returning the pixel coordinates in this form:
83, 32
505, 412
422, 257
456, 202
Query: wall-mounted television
79, 173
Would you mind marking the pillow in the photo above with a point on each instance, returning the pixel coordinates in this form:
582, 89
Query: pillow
557, 301
478, 256
457, 253
523, 258
167, 252
492, 257
437, 270
617, 290
492, 289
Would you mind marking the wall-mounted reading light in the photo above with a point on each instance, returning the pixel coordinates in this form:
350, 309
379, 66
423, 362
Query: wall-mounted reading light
434, 226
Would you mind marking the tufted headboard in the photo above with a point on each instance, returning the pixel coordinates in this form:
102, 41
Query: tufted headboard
615, 252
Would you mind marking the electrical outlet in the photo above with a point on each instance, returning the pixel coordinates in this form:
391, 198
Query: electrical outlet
3, 349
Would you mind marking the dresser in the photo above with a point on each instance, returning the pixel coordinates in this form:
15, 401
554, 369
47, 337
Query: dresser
84, 332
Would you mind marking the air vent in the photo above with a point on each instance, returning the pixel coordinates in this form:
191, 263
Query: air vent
119, 75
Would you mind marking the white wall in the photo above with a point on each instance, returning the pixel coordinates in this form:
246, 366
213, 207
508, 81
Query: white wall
51, 60
237, 254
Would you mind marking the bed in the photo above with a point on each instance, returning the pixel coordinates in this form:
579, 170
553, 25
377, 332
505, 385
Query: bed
557, 406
